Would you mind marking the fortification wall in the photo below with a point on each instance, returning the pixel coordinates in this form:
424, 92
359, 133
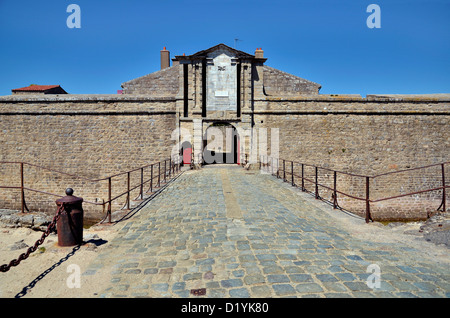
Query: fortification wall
277, 83
164, 82
366, 136
93, 136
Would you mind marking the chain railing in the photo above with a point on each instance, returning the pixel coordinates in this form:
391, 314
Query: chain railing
159, 173
282, 168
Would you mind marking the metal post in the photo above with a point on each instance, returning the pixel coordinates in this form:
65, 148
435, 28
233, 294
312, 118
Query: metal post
151, 178
165, 171
21, 187
266, 164
128, 190
109, 200
278, 168
271, 164
443, 189
284, 170
368, 216
292, 173
317, 186
170, 167
303, 180
334, 191
159, 174
142, 183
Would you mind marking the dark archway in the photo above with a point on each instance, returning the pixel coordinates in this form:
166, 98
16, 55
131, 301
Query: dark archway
221, 144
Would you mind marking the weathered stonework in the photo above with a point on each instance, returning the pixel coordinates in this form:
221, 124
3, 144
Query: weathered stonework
278, 83
92, 136
221, 81
161, 83
367, 136
98, 135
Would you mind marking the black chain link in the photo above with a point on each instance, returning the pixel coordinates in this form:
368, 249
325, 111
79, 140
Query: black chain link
31, 249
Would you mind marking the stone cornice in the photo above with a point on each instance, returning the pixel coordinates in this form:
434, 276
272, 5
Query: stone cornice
83, 98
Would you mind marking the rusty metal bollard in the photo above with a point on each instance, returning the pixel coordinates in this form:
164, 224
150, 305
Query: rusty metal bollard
70, 224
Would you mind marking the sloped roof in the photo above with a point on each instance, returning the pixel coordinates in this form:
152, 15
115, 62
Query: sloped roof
35, 88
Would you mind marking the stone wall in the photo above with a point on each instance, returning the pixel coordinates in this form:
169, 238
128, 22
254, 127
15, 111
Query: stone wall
278, 83
92, 136
366, 136
161, 83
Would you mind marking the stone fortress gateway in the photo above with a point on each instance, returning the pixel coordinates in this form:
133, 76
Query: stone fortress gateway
219, 87
216, 89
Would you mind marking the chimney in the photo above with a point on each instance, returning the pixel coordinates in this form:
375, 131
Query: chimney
259, 53
165, 58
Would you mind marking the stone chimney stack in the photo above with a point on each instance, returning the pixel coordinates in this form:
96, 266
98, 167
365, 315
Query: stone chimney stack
259, 53
165, 58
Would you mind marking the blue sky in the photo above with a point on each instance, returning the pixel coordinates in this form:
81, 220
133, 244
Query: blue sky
325, 41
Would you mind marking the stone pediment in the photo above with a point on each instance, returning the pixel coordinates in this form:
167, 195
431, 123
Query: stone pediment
219, 47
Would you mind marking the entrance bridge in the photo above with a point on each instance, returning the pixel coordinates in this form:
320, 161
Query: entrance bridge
223, 231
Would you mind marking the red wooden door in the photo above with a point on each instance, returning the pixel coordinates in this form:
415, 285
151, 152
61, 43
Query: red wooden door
187, 155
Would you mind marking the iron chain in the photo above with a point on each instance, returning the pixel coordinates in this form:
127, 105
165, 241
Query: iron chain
31, 249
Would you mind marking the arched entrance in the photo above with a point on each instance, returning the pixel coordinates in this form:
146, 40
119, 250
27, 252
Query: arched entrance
221, 144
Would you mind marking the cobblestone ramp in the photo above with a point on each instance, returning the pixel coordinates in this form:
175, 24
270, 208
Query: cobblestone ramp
238, 233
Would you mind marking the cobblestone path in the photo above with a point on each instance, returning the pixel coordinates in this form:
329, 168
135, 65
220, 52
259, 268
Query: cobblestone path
239, 233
